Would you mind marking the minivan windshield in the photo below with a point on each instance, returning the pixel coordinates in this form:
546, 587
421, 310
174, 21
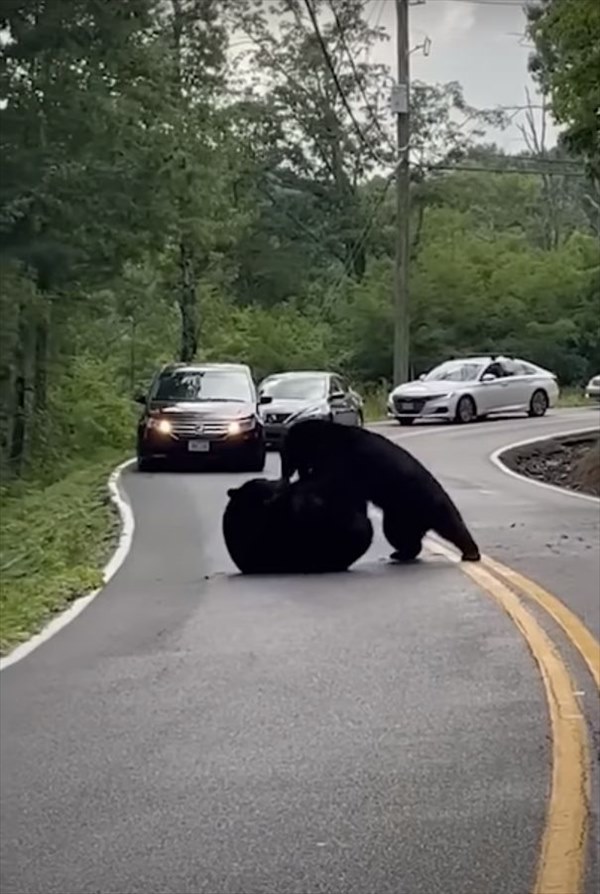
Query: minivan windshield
202, 385
455, 371
295, 388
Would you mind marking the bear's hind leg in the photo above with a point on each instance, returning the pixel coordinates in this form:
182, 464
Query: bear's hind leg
409, 550
451, 527
406, 539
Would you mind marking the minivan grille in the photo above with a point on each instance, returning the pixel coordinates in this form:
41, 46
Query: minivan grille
189, 425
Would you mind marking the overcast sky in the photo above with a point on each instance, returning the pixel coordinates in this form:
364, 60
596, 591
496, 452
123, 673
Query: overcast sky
476, 42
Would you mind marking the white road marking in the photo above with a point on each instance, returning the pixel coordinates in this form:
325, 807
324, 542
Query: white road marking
110, 569
432, 428
495, 459
128, 525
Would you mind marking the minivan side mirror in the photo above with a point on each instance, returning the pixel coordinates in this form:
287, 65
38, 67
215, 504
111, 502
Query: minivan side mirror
265, 399
140, 398
337, 395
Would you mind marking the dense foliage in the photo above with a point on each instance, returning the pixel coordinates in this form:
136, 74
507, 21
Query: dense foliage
181, 180
567, 62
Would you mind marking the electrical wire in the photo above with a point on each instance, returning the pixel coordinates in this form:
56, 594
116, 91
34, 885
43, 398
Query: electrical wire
348, 51
380, 14
522, 3
336, 80
487, 170
359, 244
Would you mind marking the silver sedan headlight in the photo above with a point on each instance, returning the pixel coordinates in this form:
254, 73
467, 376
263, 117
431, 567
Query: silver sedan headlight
319, 411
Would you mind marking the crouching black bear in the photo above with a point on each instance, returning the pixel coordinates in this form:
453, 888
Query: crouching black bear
412, 500
307, 527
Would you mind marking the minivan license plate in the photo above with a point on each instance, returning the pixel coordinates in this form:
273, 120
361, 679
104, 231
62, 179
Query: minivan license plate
198, 446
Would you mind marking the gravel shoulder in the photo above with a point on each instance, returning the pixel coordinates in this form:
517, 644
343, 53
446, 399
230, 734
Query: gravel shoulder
571, 461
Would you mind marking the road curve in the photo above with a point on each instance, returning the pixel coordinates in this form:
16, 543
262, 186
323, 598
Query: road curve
383, 730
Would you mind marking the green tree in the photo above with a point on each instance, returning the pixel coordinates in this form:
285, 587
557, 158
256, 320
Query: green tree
73, 195
566, 34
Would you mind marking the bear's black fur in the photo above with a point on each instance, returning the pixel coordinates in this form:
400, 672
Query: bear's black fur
307, 527
412, 500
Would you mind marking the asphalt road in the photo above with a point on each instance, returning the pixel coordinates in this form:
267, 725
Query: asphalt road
382, 731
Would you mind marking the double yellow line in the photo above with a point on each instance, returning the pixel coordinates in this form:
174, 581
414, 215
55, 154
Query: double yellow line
562, 861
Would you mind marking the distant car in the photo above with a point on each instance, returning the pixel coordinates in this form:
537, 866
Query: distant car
201, 411
592, 389
473, 388
286, 398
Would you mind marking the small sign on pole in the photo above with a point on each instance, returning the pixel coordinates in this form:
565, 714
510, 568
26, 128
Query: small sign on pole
399, 99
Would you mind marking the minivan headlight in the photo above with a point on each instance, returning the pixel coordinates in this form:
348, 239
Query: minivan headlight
163, 426
237, 426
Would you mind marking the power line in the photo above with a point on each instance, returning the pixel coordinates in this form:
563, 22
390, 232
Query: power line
521, 3
380, 14
298, 86
360, 242
488, 170
336, 80
348, 51
569, 162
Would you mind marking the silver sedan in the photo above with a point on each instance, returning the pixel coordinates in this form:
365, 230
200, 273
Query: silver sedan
286, 398
473, 388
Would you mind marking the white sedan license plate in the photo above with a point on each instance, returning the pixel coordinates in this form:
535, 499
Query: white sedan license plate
406, 405
198, 446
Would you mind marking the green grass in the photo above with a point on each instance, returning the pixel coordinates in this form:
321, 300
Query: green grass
54, 540
375, 403
572, 397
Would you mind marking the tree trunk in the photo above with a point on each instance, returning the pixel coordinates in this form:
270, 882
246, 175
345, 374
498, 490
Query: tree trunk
22, 404
9, 345
187, 304
40, 376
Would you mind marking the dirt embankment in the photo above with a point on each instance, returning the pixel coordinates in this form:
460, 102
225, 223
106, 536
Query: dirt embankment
572, 462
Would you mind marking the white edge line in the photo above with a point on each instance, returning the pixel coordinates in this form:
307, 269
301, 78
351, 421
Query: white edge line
110, 569
128, 526
495, 458
430, 428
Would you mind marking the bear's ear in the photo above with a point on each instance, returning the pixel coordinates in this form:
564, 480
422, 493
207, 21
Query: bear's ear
232, 491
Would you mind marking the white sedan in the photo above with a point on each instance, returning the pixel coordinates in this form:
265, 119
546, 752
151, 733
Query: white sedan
592, 389
473, 388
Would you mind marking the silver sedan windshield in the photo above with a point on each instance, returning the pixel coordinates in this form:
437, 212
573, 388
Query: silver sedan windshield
455, 371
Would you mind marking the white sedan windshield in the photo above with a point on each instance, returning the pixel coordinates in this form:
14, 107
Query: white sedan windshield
454, 371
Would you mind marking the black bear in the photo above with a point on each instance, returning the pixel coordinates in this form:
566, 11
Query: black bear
307, 527
412, 500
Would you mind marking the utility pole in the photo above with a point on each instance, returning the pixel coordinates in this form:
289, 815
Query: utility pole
400, 106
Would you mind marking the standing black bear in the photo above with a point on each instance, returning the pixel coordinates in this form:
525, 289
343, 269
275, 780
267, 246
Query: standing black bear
412, 500
273, 527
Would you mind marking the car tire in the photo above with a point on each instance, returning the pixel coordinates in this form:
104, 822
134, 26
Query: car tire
466, 411
255, 459
146, 464
406, 421
538, 404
